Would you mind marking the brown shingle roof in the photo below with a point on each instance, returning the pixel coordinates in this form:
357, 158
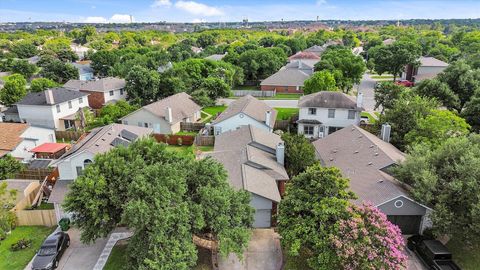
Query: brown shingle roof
101, 85
10, 136
304, 55
361, 156
250, 106
181, 104
328, 99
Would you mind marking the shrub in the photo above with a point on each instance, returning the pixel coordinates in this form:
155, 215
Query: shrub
21, 244
64, 224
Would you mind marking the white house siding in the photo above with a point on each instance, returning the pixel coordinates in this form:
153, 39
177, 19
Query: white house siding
142, 117
36, 115
67, 169
65, 111
263, 211
340, 120
236, 122
32, 137
116, 95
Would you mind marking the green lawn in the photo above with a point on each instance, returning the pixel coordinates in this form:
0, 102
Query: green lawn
286, 113
205, 148
468, 258
381, 77
209, 112
45, 206
278, 96
185, 149
190, 133
117, 258
19, 259
371, 119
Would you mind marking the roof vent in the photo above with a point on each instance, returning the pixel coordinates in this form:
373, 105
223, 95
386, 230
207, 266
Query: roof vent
360, 136
380, 181
376, 154
334, 150
370, 163
371, 146
331, 159
356, 152
97, 144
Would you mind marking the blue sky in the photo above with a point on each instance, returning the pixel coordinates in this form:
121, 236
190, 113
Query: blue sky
229, 10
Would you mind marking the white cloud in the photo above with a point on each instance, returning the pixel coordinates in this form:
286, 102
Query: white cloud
121, 18
198, 21
161, 3
321, 2
198, 8
96, 20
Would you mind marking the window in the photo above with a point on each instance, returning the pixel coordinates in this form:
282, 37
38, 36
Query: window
111, 93
69, 124
351, 114
331, 113
125, 122
333, 129
312, 111
308, 130
79, 170
69, 104
140, 124
121, 91
87, 162
145, 125
80, 100
58, 108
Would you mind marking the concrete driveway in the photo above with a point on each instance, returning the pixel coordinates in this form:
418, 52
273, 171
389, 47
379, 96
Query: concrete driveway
414, 262
367, 88
263, 253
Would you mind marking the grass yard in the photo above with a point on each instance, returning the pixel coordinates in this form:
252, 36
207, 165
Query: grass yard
205, 148
118, 259
286, 113
371, 119
190, 133
468, 258
184, 149
45, 206
209, 112
13, 260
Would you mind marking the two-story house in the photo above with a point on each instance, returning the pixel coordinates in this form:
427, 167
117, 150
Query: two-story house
165, 115
429, 68
55, 108
101, 91
325, 112
245, 111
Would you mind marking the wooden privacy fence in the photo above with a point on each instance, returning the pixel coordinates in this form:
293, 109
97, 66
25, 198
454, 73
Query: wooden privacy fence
282, 125
37, 174
204, 140
191, 126
68, 135
255, 93
36, 218
174, 139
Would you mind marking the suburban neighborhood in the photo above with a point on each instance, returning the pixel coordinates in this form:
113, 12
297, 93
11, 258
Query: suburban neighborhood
132, 142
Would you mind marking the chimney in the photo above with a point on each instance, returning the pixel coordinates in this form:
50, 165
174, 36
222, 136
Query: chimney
280, 153
385, 132
360, 100
49, 96
168, 114
268, 115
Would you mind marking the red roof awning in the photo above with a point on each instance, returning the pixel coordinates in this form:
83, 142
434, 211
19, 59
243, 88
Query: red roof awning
49, 147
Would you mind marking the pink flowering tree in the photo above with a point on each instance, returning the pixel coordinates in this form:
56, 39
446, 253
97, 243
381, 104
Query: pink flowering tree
368, 240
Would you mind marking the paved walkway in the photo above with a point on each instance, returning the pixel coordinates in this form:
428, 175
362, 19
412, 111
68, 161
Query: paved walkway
114, 238
263, 253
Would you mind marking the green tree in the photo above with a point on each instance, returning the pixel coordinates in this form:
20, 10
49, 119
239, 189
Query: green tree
434, 88
9, 167
102, 61
170, 197
448, 179
436, 127
24, 49
386, 93
350, 39
24, 68
215, 87
262, 62
59, 71
142, 85
13, 90
472, 111
7, 217
320, 81
393, 58
347, 68
299, 153
314, 202
205, 39
42, 84
404, 115
111, 113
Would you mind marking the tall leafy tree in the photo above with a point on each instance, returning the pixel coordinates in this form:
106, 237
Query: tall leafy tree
169, 198
142, 85
386, 93
320, 81
24, 68
9, 167
42, 84
24, 49
7, 217
393, 58
262, 62
299, 153
13, 90
447, 178
59, 71
347, 68
103, 60
434, 88
472, 111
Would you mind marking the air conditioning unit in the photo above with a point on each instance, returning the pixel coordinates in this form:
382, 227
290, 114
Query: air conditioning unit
320, 135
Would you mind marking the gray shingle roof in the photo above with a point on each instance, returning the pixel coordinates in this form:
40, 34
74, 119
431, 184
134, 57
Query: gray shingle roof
181, 104
432, 62
328, 99
215, 57
250, 106
248, 155
60, 95
318, 50
287, 77
100, 85
83, 68
360, 156
59, 191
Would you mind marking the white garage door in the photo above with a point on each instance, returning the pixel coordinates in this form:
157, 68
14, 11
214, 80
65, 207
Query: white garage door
262, 218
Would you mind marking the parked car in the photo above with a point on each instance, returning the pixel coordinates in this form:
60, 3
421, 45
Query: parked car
405, 83
51, 251
432, 253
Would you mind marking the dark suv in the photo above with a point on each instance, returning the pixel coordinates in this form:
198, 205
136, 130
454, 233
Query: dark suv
432, 253
51, 251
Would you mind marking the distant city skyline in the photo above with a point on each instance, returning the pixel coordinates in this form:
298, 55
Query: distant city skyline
124, 11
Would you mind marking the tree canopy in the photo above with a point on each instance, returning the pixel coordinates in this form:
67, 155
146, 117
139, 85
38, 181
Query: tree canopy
170, 198
13, 90
393, 58
320, 81
9, 167
299, 153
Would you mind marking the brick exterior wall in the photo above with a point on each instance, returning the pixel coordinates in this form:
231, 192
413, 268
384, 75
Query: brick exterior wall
96, 100
281, 89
